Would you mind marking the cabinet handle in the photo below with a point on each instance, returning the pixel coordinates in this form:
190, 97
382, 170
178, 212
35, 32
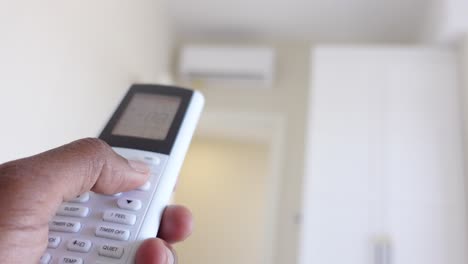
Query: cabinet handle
382, 251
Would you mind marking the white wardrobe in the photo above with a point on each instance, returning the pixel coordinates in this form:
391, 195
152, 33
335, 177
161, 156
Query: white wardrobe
384, 176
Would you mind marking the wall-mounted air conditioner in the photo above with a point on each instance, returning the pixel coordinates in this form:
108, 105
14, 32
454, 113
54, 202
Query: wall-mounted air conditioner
227, 64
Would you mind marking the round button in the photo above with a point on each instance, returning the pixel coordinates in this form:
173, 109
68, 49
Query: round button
152, 160
145, 187
82, 198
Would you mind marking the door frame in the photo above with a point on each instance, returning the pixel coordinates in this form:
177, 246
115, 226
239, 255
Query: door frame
255, 127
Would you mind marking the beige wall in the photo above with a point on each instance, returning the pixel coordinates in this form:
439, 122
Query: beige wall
288, 97
226, 191
64, 65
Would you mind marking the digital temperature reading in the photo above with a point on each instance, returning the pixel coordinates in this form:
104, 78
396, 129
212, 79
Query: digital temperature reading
148, 116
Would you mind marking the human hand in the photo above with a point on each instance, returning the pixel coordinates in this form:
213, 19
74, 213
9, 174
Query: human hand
32, 189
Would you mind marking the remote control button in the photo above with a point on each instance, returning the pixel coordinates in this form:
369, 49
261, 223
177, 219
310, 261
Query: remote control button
79, 245
145, 187
152, 160
54, 241
129, 204
45, 259
73, 210
112, 195
119, 217
64, 226
82, 198
111, 251
112, 233
71, 260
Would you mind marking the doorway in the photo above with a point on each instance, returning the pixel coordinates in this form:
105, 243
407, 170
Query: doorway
224, 183
231, 182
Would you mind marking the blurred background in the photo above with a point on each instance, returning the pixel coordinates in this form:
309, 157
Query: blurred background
333, 133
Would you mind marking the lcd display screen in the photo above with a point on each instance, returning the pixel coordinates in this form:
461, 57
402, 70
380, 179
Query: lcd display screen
148, 116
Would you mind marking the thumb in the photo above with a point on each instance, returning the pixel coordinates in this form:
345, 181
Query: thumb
83, 165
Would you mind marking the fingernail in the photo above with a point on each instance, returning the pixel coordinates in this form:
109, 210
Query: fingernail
139, 166
170, 256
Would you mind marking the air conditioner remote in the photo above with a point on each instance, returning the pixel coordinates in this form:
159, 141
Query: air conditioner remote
153, 124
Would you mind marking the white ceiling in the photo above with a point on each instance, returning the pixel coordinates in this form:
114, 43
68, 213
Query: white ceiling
317, 20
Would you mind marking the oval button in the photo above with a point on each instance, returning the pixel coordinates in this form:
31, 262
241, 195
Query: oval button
73, 210
129, 204
119, 217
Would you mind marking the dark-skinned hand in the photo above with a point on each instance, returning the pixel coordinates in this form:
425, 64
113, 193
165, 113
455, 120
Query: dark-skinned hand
32, 189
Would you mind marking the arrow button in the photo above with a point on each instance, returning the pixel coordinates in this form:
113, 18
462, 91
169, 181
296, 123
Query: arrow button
129, 204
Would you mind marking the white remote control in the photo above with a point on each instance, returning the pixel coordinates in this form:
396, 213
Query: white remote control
153, 124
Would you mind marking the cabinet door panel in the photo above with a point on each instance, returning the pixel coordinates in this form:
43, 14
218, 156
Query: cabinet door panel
341, 195
426, 203
384, 157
